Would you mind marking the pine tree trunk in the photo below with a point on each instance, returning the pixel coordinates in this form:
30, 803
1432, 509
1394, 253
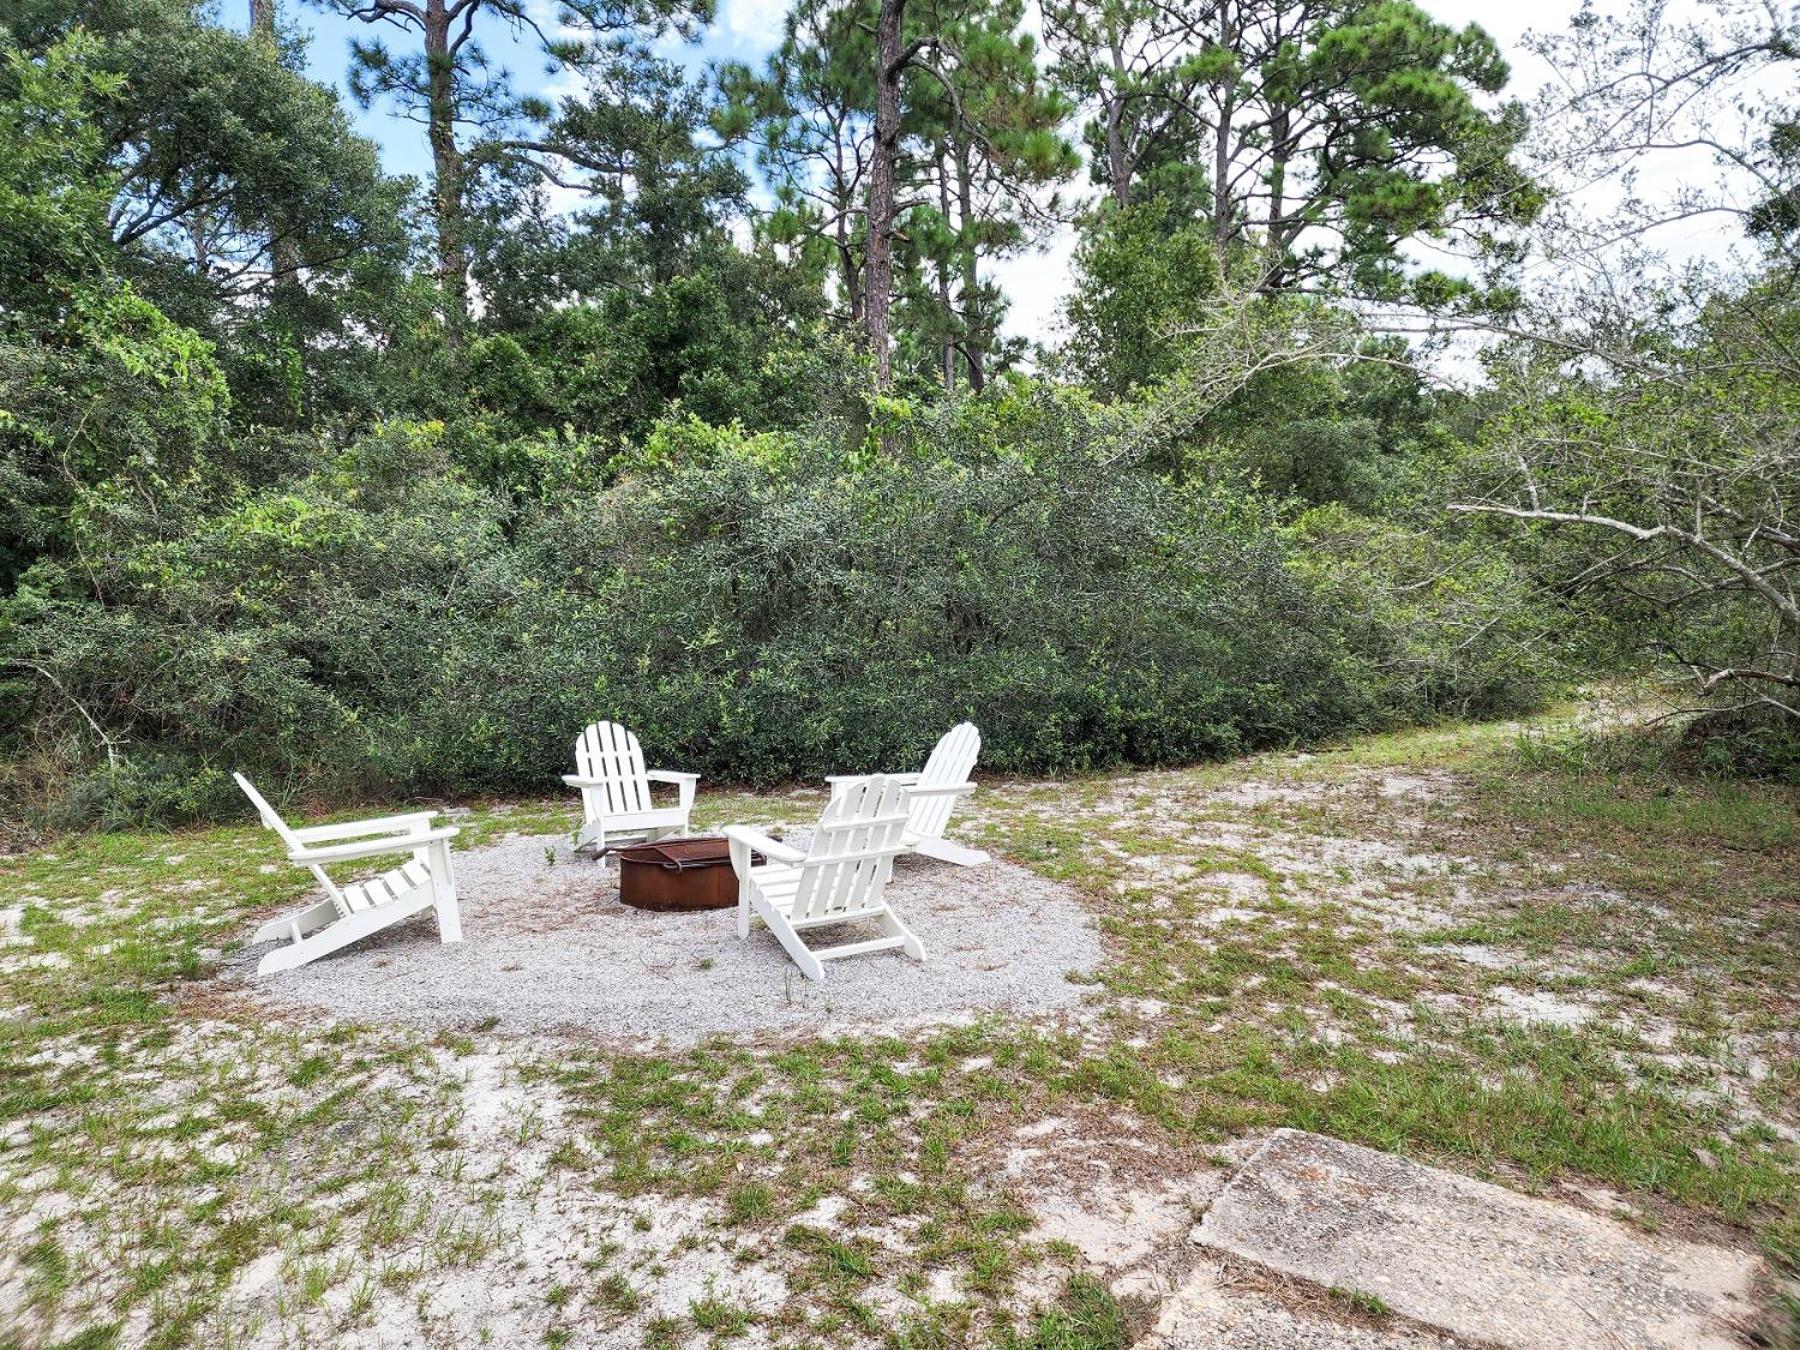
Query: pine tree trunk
284, 254
851, 275
1275, 242
849, 269
1222, 205
947, 348
878, 297
447, 171
975, 334
1118, 165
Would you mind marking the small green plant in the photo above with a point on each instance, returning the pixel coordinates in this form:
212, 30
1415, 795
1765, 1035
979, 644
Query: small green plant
1086, 1317
617, 1294
1360, 1300
750, 1203
48, 1265
315, 1281
362, 1298
724, 1320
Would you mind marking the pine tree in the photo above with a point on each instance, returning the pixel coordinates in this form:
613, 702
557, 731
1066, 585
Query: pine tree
447, 82
1315, 136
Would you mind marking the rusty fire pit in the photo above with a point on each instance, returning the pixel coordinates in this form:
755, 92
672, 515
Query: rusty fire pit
675, 875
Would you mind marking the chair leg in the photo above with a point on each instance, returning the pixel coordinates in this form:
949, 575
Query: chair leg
810, 965
443, 894
892, 925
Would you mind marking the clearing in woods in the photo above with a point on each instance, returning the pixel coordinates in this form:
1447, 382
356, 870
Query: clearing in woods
1467, 946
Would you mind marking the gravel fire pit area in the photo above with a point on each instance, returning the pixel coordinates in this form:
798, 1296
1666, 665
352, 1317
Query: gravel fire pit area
547, 946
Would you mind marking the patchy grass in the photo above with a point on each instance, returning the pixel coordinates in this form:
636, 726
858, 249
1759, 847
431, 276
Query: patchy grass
1086, 1317
1436, 942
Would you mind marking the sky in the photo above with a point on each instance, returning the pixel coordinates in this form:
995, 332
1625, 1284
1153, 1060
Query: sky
1036, 283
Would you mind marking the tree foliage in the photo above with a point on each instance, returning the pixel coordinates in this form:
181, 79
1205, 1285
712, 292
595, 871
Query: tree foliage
689, 398
1674, 458
1318, 135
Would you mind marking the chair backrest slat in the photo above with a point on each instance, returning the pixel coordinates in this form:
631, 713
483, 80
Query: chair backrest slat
952, 761
271, 818
852, 853
611, 753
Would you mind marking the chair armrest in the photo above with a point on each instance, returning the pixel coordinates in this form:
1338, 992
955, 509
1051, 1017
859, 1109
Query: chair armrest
575, 780
759, 842
352, 829
373, 848
688, 783
941, 790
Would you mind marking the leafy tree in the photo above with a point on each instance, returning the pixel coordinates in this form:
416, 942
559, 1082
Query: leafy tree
1667, 454
1141, 277
111, 413
55, 182
284, 257
211, 135
448, 83
1331, 131
939, 129
241, 205
115, 420
735, 339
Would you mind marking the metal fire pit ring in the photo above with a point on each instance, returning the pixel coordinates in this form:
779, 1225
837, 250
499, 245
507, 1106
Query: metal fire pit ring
675, 876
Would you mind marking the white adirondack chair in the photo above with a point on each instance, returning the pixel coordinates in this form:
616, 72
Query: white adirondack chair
615, 791
348, 913
842, 878
933, 792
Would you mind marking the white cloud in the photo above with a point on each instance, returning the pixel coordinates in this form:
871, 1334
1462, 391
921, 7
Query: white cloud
756, 22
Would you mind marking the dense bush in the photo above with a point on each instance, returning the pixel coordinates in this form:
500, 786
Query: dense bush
401, 618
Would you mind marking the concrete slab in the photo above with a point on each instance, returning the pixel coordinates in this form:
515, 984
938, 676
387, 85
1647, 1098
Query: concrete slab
1479, 1261
1208, 1312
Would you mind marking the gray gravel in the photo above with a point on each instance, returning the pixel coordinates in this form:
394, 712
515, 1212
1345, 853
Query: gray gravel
547, 946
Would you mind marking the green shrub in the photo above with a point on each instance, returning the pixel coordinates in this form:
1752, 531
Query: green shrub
759, 607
